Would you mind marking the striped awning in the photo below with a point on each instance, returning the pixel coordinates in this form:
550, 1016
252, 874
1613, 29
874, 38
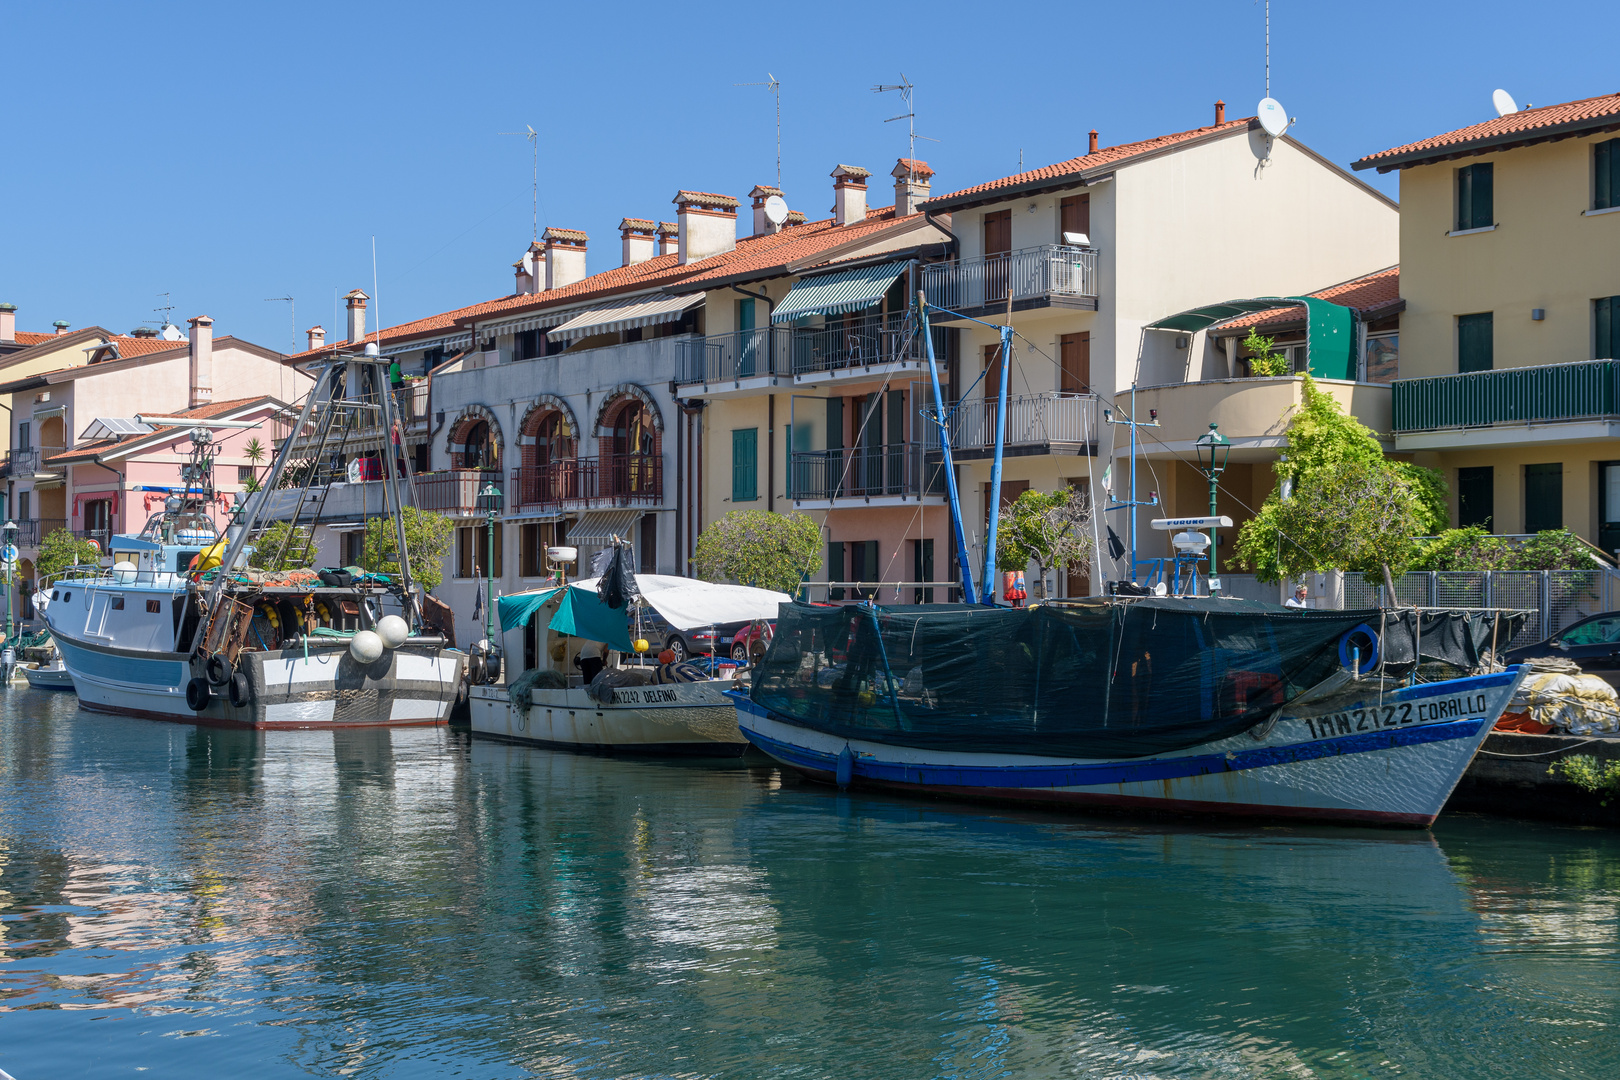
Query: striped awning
626, 315
845, 290
600, 526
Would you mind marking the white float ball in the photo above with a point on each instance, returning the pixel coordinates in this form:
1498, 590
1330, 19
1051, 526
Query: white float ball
124, 571
366, 647
393, 630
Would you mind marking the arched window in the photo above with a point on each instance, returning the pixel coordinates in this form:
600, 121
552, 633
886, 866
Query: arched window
479, 447
553, 440
633, 446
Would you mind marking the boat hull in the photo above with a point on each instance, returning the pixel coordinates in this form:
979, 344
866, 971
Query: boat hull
685, 719
1389, 760
48, 678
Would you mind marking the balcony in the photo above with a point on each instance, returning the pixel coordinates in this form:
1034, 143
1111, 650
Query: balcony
1254, 413
893, 475
29, 461
1052, 275
748, 361
1547, 403
454, 491
30, 531
1050, 423
583, 483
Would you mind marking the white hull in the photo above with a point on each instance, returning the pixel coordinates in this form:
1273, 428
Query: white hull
1392, 760
48, 678
683, 718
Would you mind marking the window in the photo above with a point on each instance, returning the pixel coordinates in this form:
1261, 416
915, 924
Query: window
1543, 497
863, 565
527, 344
154, 607
489, 344
472, 550
1474, 339
1596, 632
24, 498
23, 436
1074, 216
922, 569
647, 544
1606, 324
1476, 497
1382, 362
353, 551
1606, 175
245, 474
1074, 363
533, 540
745, 465
1474, 197
117, 603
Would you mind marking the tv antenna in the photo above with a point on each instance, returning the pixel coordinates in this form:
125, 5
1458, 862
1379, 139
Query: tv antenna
907, 89
775, 87
292, 315
1274, 119
534, 143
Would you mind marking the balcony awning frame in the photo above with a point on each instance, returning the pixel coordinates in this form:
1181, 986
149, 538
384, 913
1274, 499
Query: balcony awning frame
598, 527
836, 292
626, 315
1330, 329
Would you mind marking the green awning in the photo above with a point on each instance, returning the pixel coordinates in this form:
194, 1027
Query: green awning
1330, 329
845, 290
515, 610
583, 614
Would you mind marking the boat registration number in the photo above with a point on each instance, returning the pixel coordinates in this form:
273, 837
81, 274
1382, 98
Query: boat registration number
1405, 714
623, 695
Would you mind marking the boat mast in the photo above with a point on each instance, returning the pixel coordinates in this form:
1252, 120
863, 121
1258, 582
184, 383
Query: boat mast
391, 503
995, 470
1133, 424
969, 595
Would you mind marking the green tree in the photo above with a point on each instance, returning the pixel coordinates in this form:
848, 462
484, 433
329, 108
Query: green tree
1049, 529
1553, 549
280, 547
756, 547
61, 549
1262, 361
1351, 508
428, 537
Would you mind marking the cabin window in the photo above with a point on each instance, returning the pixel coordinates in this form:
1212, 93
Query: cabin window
118, 603
154, 607
67, 596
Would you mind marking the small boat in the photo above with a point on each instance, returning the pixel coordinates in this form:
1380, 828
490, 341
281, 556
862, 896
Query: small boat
53, 676
669, 709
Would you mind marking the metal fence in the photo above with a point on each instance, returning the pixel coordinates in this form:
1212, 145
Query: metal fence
616, 479
798, 350
1050, 269
895, 469
1507, 396
1032, 420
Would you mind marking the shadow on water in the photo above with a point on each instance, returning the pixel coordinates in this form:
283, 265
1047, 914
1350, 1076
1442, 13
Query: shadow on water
410, 903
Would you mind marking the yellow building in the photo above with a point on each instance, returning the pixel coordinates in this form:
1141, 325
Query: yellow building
1510, 272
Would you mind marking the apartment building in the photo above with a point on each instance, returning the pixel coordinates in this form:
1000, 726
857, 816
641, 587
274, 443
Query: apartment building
1510, 337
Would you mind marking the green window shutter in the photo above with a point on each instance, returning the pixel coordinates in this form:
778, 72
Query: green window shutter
835, 568
1606, 324
1474, 342
1543, 497
1606, 175
1474, 204
745, 465
787, 440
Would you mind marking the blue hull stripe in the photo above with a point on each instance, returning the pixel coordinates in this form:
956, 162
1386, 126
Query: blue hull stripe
158, 674
1106, 773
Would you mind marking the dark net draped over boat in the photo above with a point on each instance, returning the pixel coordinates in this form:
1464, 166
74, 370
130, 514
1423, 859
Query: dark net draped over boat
1102, 679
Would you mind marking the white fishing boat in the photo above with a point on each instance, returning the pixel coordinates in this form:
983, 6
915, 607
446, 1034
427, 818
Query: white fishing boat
630, 707
52, 676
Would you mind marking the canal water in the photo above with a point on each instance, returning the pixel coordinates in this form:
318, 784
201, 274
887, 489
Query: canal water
189, 902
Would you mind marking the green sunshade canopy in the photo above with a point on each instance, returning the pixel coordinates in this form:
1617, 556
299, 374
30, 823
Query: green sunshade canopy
831, 294
1330, 329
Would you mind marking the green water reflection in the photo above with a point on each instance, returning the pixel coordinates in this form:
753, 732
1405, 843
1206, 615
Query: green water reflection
404, 903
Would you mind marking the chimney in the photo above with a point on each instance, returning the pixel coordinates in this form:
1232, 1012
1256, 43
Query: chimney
1091, 148
317, 337
669, 238
143, 332
912, 184
8, 322
1220, 113
202, 360
762, 224
708, 224
564, 254
795, 217
637, 240
356, 301
849, 194
61, 327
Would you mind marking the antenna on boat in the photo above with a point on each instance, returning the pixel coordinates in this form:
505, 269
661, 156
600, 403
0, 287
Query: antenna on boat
1133, 423
775, 87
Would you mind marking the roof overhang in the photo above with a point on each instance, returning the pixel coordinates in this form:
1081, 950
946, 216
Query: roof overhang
1591, 125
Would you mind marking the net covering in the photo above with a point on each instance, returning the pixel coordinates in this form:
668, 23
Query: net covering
1108, 679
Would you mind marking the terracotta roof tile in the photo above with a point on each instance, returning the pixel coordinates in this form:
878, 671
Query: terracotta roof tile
668, 228
705, 198
28, 337
1105, 158
567, 236
1366, 294
764, 191
88, 450
854, 172
636, 224
911, 167
1514, 129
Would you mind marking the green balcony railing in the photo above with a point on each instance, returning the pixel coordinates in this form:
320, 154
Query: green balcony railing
1507, 396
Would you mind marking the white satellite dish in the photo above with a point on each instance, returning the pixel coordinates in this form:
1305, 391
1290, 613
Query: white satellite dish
1504, 102
776, 210
1273, 117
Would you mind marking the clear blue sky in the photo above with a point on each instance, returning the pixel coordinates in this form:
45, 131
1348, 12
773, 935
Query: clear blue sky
225, 153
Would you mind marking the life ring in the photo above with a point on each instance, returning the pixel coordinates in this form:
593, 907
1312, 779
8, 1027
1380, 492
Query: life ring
1364, 639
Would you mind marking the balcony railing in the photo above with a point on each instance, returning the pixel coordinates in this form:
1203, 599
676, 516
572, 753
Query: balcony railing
100, 536
800, 350
609, 479
897, 469
1031, 274
1584, 389
28, 460
30, 531
1033, 420
454, 491
745, 354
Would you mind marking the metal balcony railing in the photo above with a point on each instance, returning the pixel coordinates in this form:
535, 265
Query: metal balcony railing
28, 460
1586, 388
100, 536
608, 479
30, 531
745, 354
896, 469
1032, 420
780, 350
454, 491
1048, 270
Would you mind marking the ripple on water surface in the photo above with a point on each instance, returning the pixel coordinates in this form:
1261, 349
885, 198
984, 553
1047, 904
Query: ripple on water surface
406, 903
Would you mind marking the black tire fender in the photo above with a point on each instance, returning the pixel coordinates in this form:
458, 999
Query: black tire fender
198, 694
218, 670
241, 690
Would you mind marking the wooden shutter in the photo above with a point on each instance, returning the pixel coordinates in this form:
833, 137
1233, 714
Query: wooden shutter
744, 465
1474, 344
1606, 323
835, 423
1543, 497
835, 568
1606, 174
1074, 362
1074, 215
992, 371
998, 232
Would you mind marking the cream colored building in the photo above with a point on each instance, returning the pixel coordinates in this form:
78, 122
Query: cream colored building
1510, 272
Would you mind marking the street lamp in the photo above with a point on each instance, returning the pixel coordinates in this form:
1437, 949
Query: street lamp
490, 501
1213, 451
8, 534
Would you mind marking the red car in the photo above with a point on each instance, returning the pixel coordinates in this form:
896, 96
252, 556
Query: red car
751, 639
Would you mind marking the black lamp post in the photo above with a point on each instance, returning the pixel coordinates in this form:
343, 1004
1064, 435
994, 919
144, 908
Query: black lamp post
1213, 451
8, 535
490, 500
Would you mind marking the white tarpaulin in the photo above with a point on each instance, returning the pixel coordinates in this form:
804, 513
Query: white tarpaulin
687, 604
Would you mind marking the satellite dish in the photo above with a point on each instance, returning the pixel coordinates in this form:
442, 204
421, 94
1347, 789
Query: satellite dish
1273, 117
776, 210
1504, 102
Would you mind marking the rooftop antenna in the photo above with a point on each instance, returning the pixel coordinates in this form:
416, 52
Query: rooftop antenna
907, 89
167, 324
292, 316
534, 143
1273, 117
775, 87
1504, 102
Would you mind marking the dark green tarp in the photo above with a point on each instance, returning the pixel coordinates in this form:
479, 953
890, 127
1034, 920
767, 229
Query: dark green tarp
581, 613
1330, 329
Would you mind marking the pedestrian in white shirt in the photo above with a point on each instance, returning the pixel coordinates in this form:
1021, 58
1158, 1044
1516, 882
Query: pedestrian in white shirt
1298, 599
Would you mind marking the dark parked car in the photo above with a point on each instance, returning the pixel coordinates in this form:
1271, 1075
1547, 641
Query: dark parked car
685, 644
1593, 643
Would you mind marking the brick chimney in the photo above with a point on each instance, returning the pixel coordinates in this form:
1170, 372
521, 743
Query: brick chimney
317, 337
1220, 113
912, 184
1091, 147
356, 302
637, 240
795, 217
565, 256
708, 224
61, 326
530, 270
669, 238
762, 224
202, 361
849, 194
8, 323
